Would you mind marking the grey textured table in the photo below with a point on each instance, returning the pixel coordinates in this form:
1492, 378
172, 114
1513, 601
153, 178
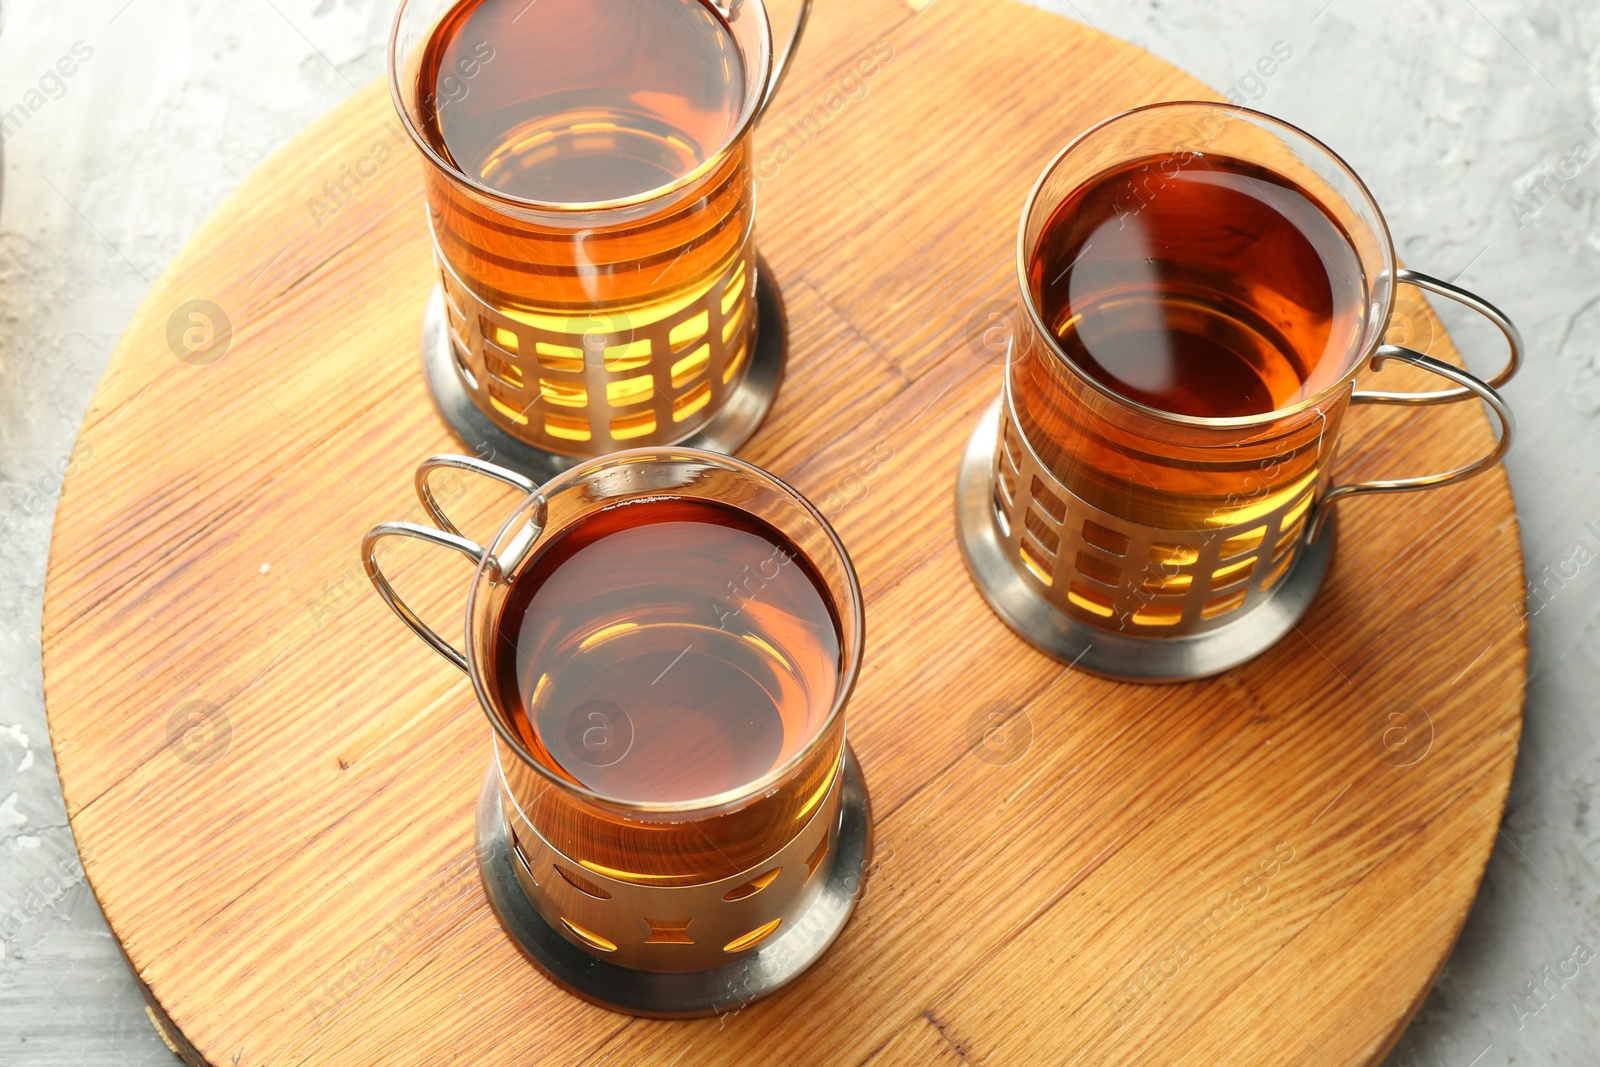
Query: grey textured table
1476, 122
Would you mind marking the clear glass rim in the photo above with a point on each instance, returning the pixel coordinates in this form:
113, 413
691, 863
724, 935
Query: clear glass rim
853, 609
749, 113
1385, 240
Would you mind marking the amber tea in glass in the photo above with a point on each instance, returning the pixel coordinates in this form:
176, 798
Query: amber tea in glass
1214, 289
591, 204
669, 651
591, 100
586, 101
1232, 292
665, 642
1200, 286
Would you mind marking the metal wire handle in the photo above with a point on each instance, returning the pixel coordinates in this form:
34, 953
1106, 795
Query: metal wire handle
471, 549
471, 464
446, 535
1471, 385
780, 67
1461, 296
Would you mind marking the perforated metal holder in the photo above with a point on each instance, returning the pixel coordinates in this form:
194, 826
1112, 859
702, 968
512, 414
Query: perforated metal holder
481, 388
1076, 582
508, 858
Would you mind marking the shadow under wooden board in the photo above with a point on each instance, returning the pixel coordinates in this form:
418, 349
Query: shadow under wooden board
272, 782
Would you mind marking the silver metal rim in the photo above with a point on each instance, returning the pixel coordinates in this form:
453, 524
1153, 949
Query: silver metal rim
672, 996
728, 430
1105, 652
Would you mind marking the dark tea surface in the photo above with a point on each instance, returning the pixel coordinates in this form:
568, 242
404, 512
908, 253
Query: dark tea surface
582, 100
1213, 288
668, 650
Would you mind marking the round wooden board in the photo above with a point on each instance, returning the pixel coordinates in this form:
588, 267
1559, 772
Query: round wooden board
1269, 867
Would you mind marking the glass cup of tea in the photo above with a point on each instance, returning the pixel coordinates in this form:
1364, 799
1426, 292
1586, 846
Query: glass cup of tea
1200, 286
664, 642
591, 203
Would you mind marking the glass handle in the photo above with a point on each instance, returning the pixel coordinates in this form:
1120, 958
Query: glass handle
1471, 385
1461, 296
369, 559
471, 464
780, 68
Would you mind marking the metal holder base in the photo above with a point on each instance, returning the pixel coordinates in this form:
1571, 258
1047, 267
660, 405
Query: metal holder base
668, 996
1105, 652
741, 415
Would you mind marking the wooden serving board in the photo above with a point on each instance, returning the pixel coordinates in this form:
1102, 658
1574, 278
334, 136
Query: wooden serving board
272, 782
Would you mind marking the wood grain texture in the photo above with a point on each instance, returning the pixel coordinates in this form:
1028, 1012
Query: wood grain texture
309, 896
